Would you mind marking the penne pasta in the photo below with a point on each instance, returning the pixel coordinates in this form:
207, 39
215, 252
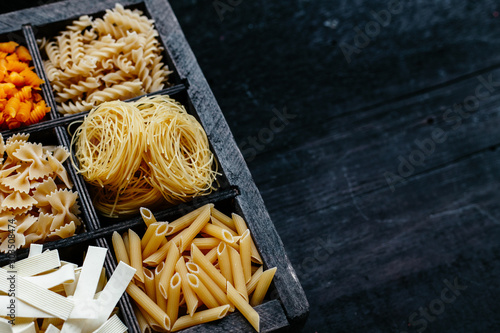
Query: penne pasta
262, 286
150, 231
168, 271
135, 255
158, 256
149, 284
147, 216
252, 284
241, 226
246, 255
218, 232
212, 287
212, 255
223, 226
155, 240
237, 271
174, 293
121, 252
206, 243
201, 290
224, 262
160, 300
242, 305
189, 295
207, 266
195, 227
223, 218
149, 306
200, 317
184, 221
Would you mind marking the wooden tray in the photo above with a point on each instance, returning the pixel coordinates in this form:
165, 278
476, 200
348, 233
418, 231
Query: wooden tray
286, 307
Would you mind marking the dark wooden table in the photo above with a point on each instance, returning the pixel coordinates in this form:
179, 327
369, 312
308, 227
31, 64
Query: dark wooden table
372, 131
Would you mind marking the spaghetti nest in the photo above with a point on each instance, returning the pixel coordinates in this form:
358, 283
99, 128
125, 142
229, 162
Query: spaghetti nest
141, 153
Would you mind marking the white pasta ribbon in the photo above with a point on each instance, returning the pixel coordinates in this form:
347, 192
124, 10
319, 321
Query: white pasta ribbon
36, 264
23, 310
112, 325
37, 296
66, 274
35, 249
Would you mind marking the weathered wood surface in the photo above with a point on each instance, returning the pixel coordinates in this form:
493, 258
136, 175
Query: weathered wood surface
370, 259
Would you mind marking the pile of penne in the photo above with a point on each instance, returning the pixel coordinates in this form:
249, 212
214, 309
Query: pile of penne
193, 270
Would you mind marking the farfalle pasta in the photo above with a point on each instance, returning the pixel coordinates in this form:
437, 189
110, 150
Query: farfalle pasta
35, 193
20, 100
114, 57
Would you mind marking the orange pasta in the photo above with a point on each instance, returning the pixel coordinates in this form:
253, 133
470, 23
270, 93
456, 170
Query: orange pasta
20, 104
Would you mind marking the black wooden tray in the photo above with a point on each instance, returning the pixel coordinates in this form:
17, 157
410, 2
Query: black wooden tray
286, 307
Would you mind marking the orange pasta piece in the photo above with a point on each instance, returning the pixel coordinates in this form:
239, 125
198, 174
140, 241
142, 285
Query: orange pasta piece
12, 106
23, 114
38, 112
13, 124
12, 57
9, 88
24, 94
3, 54
17, 79
8, 47
16, 66
31, 78
23, 54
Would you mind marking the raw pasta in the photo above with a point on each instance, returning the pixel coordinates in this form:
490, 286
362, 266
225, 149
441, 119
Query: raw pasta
35, 193
114, 57
213, 280
135, 153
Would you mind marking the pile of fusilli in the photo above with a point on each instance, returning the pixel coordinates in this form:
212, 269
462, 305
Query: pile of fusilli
93, 61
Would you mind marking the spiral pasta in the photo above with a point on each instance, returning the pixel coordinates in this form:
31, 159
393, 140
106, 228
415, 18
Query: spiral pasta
120, 50
143, 153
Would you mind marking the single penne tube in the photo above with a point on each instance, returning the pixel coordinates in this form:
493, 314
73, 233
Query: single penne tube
174, 293
207, 266
207, 243
121, 252
218, 232
223, 226
200, 317
189, 295
213, 288
246, 255
262, 286
168, 271
151, 322
224, 262
155, 240
160, 300
150, 231
184, 221
242, 305
241, 226
147, 216
237, 271
223, 218
149, 306
135, 255
201, 291
149, 284
195, 227
212, 255
157, 257
126, 241
252, 284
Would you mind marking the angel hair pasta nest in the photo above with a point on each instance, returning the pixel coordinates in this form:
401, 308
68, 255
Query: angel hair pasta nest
143, 153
